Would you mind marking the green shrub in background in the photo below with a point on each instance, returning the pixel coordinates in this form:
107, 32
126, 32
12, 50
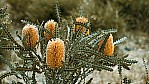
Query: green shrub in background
104, 14
136, 14
121, 14
40, 10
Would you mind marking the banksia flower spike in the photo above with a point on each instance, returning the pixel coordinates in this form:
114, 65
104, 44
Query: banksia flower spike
50, 26
30, 34
82, 20
109, 46
55, 53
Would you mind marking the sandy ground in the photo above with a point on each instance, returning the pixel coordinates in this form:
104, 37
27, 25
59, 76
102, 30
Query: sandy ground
137, 46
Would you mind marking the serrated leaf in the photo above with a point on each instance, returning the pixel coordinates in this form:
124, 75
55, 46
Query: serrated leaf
120, 40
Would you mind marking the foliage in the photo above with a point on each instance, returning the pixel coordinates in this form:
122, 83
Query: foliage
136, 14
146, 70
107, 15
81, 54
4, 26
121, 14
40, 10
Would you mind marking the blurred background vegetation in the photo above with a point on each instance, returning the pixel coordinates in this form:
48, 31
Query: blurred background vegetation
125, 15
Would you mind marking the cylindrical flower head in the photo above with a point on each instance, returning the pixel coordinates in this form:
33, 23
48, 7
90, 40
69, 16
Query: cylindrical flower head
50, 26
109, 46
30, 34
55, 53
82, 20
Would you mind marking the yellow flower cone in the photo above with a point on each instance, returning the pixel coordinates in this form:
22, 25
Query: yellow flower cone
55, 53
109, 46
50, 26
30, 32
82, 20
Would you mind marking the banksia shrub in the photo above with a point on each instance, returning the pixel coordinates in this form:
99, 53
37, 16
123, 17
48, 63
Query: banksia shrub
81, 20
109, 46
30, 36
79, 53
50, 26
55, 53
